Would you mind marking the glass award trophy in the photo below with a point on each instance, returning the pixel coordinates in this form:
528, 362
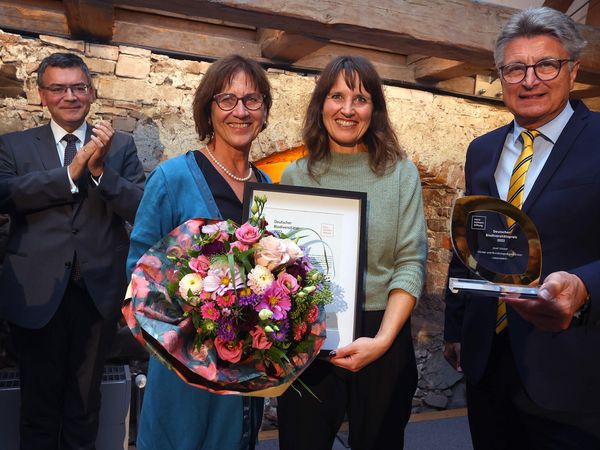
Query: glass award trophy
498, 243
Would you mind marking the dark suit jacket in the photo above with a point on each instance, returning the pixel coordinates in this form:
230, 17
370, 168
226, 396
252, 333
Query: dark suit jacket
49, 224
560, 371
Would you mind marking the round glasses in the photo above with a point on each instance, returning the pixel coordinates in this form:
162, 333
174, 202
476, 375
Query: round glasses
61, 89
227, 101
545, 70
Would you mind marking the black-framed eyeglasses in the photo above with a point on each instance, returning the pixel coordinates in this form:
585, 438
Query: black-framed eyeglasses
61, 89
227, 101
545, 70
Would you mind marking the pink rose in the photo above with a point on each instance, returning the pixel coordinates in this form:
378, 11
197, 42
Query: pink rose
259, 339
271, 253
247, 234
239, 245
288, 282
229, 350
200, 264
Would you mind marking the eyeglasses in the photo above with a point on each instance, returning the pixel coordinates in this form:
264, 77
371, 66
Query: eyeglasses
227, 101
61, 89
545, 70
358, 101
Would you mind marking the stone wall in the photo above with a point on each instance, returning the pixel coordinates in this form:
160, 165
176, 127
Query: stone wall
150, 96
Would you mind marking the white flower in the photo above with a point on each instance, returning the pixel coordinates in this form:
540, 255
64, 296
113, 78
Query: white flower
259, 279
293, 250
215, 227
192, 282
265, 314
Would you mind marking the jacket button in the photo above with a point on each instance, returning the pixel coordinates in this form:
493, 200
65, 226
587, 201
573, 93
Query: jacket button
74, 231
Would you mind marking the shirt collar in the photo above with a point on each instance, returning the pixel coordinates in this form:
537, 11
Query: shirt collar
550, 130
59, 132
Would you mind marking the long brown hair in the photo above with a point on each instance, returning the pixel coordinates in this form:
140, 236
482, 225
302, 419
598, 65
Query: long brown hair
380, 139
218, 75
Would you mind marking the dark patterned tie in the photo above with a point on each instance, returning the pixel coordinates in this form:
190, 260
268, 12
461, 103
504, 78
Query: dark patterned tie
515, 197
71, 148
70, 152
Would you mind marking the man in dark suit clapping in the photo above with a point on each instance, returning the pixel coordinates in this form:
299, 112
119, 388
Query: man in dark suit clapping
69, 189
532, 365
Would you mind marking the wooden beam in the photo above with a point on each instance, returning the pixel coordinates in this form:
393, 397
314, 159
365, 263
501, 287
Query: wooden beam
438, 69
38, 16
581, 90
462, 85
390, 66
593, 103
560, 5
593, 13
289, 47
462, 29
183, 36
90, 19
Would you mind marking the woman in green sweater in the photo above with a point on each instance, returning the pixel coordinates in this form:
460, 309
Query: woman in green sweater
351, 146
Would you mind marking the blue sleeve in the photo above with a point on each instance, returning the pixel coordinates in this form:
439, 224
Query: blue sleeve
154, 219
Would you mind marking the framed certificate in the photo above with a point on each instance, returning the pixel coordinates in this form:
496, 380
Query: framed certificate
335, 223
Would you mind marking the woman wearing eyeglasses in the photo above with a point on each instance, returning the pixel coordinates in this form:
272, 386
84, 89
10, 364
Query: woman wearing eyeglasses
231, 106
351, 146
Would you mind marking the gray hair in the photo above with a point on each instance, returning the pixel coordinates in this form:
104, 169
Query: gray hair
64, 61
540, 21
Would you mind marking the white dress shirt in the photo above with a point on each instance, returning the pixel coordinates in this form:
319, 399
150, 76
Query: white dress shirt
542, 146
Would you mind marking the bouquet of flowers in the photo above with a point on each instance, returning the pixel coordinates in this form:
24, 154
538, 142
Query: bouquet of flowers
232, 309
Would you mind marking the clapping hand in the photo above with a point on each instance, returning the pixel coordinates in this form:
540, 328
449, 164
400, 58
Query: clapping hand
101, 139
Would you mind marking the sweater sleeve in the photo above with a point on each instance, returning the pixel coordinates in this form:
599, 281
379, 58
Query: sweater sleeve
411, 239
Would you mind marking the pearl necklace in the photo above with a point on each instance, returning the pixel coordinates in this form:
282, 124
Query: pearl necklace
227, 172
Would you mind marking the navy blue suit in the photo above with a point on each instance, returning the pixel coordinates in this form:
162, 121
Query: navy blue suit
559, 371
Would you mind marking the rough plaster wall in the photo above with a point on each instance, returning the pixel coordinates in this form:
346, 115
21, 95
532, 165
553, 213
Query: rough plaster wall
150, 96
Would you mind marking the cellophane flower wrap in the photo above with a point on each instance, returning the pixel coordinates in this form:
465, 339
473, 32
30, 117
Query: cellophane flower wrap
231, 309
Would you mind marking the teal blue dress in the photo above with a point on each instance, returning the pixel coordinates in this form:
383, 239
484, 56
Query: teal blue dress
176, 416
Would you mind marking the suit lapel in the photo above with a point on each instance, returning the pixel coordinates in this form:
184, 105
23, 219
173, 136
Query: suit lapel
46, 147
561, 148
497, 146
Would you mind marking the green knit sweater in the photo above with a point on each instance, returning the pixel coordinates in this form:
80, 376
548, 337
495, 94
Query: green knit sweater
396, 232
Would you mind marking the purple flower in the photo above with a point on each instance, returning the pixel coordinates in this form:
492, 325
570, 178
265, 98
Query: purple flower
296, 270
249, 300
226, 330
213, 248
281, 334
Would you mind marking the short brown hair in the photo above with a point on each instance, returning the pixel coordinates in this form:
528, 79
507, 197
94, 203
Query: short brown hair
380, 139
218, 75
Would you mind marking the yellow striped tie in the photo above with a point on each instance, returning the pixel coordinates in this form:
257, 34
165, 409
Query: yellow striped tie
515, 197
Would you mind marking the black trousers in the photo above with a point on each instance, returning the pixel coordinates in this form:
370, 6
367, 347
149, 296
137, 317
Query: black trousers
503, 417
60, 369
377, 399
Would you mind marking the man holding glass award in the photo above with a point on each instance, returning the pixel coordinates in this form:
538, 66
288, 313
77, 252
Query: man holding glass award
529, 345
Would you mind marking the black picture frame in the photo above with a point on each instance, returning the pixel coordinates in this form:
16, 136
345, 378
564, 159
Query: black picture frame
344, 235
